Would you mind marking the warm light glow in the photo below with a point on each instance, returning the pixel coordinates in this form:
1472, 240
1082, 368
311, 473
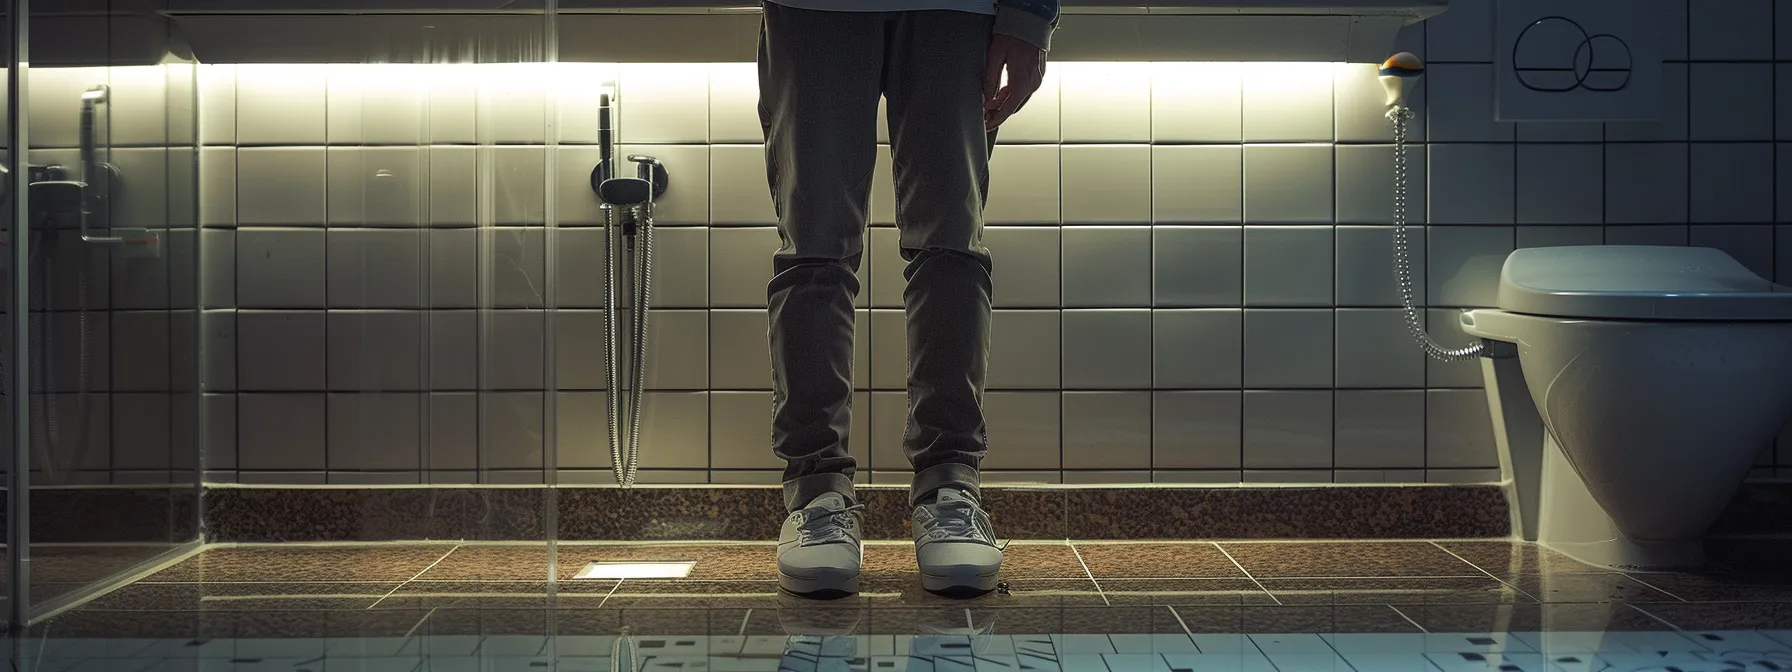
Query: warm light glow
636, 570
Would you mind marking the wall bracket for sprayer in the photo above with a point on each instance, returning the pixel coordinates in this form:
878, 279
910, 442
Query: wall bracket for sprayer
661, 179
99, 183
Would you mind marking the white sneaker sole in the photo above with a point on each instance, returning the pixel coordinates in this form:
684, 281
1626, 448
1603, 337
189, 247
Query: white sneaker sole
805, 585
977, 579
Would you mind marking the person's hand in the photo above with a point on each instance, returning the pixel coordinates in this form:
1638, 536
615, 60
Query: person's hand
1025, 65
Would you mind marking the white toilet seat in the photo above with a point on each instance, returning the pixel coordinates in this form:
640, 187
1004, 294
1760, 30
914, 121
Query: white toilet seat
1635, 282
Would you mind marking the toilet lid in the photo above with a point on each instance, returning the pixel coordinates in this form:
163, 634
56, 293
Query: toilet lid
1638, 282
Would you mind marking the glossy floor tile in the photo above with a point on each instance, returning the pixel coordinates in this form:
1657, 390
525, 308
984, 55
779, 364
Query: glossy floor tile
1101, 607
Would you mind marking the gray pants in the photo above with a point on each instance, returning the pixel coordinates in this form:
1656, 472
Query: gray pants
820, 77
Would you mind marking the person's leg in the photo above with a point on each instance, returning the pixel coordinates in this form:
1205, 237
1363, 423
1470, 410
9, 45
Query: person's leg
934, 84
819, 84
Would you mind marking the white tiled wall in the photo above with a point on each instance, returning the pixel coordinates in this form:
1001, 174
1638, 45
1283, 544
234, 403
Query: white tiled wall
1192, 262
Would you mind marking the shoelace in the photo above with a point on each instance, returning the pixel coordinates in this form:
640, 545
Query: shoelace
956, 518
823, 526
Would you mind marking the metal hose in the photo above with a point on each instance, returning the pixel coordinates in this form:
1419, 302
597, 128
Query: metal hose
639, 306
623, 468
1415, 323
48, 430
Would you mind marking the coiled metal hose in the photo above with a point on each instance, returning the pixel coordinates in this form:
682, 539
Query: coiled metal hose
626, 391
1415, 322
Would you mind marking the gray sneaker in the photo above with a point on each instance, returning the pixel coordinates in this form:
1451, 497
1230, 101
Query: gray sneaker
955, 545
818, 550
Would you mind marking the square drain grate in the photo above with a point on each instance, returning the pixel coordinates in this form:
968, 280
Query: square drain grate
636, 570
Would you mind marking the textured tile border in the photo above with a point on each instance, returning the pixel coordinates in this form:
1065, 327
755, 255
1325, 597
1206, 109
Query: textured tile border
755, 513
117, 514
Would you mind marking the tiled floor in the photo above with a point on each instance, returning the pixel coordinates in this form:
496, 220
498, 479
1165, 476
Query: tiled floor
1158, 607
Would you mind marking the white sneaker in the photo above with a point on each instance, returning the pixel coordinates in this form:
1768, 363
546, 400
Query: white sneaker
955, 545
819, 553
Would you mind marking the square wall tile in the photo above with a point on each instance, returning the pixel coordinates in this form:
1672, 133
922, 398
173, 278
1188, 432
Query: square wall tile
280, 432
139, 342
739, 192
1560, 184
217, 186
1459, 430
454, 350
1732, 101
679, 356
1465, 35
1732, 183
453, 431
1288, 266
1197, 184
377, 104
1040, 120
1194, 349
1646, 183
675, 430
374, 268
579, 354
1288, 184
1107, 430
738, 352
880, 269
453, 191
734, 103
280, 351
889, 415
665, 103
510, 430
514, 353
889, 349
1023, 186
583, 433
1463, 264
281, 186
1197, 102
681, 262
1028, 427
519, 267
1646, 235
1782, 99
1024, 349
1360, 103
280, 104
146, 203
375, 350
1783, 255
1459, 104
375, 432
1375, 350
740, 265
1028, 270
1107, 267
1366, 190
1105, 102
217, 104
1559, 235
1671, 122
740, 431
1107, 349
1287, 348
1445, 327
1365, 265
375, 186
1288, 430
1197, 266
453, 105
518, 175
581, 268
1472, 184
883, 188
1381, 429
512, 105
219, 372
1107, 184
1752, 245
1287, 102
453, 268
217, 268
1197, 430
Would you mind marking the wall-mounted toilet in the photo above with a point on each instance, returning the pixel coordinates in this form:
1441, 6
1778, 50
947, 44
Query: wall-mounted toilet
1632, 388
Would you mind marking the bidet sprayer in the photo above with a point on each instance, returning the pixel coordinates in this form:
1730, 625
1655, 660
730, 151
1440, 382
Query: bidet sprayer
1397, 75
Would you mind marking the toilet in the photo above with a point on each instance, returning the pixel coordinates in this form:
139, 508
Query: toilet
1631, 390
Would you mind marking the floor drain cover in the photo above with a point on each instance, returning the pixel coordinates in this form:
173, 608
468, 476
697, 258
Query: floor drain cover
636, 570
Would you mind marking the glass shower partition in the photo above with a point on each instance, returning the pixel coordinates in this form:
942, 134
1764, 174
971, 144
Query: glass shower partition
107, 223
